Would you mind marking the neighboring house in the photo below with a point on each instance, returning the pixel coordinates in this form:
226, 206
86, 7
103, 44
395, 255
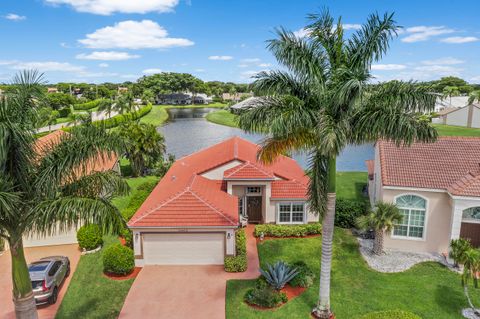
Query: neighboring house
174, 99
236, 96
192, 214
201, 98
52, 90
468, 116
437, 188
42, 146
453, 102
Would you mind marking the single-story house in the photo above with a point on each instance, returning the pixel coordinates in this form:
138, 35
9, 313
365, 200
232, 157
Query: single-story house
437, 188
174, 99
52, 90
192, 214
468, 116
43, 145
201, 98
236, 96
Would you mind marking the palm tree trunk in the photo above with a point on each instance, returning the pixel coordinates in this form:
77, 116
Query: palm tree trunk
323, 310
378, 242
25, 307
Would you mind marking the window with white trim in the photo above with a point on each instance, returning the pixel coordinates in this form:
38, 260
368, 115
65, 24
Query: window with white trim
471, 214
241, 206
291, 213
413, 209
254, 190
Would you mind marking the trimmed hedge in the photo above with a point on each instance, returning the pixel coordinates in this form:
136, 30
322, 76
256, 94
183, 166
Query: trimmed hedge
118, 259
304, 277
89, 237
390, 314
122, 118
87, 105
238, 263
272, 230
142, 192
127, 234
347, 211
65, 112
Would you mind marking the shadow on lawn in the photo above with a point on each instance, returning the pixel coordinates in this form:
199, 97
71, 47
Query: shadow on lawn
449, 299
79, 310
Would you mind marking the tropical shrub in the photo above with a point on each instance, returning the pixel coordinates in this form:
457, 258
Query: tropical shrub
87, 105
265, 297
142, 192
122, 118
238, 263
89, 237
304, 277
279, 274
127, 234
273, 230
118, 259
65, 112
459, 248
347, 212
390, 314
59, 100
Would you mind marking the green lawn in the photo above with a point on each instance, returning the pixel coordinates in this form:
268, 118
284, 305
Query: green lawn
449, 130
195, 106
223, 117
351, 184
429, 289
91, 294
156, 117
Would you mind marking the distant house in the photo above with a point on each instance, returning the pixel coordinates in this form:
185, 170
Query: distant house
468, 116
202, 98
450, 102
174, 99
437, 188
122, 89
236, 96
191, 216
52, 90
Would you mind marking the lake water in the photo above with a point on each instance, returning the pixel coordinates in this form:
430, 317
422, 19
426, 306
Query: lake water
187, 131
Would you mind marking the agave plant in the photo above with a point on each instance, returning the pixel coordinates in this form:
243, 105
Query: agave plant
279, 274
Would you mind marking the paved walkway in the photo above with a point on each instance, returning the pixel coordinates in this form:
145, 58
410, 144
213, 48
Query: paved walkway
96, 116
185, 291
7, 309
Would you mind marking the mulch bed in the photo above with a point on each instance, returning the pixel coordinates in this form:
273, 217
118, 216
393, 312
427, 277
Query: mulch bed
131, 275
271, 237
291, 292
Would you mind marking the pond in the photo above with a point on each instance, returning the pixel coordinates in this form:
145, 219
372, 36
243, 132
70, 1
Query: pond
188, 131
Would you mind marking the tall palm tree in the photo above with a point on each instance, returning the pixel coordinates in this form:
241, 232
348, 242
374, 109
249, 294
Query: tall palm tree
450, 91
324, 100
381, 220
49, 189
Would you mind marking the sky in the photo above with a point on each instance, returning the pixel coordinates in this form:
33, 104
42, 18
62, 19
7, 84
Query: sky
121, 40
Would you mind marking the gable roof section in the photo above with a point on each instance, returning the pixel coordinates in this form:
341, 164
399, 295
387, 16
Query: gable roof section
248, 170
444, 164
184, 177
468, 185
289, 190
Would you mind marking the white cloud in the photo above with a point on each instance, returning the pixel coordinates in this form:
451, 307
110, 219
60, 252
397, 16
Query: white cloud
301, 33
133, 35
350, 26
424, 33
439, 69
264, 65
107, 7
15, 17
251, 60
103, 65
43, 66
475, 79
151, 71
443, 61
388, 67
107, 56
220, 57
459, 39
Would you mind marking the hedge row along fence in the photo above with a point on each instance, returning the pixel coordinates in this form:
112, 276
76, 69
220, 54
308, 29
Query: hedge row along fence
87, 105
238, 263
273, 230
120, 118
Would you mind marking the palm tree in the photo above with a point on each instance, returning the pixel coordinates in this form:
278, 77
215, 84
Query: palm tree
470, 272
474, 96
49, 189
450, 91
124, 103
324, 100
381, 220
459, 248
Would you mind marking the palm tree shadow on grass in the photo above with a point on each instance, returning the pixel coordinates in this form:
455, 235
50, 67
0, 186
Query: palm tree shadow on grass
449, 299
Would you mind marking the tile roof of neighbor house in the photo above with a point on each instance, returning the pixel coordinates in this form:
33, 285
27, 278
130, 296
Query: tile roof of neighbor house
183, 187
451, 163
102, 162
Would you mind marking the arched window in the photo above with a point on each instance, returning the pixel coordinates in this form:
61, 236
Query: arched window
471, 214
413, 209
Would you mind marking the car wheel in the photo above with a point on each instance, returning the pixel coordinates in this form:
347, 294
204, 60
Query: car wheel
53, 297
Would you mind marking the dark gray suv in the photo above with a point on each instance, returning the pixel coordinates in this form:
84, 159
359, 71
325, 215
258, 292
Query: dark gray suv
47, 275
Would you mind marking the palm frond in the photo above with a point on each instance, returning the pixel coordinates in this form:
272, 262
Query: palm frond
274, 83
105, 184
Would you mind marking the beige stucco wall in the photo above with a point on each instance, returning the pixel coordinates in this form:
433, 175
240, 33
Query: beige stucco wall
59, 238
458, 117
438, 221
217, 173
476, 117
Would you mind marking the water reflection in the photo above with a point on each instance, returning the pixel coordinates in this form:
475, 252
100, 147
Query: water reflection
187, 131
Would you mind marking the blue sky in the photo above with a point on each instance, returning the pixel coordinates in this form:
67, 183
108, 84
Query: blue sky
104, 40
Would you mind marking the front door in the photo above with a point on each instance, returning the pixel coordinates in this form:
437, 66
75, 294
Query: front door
254, 209
471, 231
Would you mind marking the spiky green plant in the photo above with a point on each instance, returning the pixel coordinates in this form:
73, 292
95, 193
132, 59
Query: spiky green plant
279, 274
459, 248
324, 99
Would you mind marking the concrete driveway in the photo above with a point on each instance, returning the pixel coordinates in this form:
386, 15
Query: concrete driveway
32, 254
185, 291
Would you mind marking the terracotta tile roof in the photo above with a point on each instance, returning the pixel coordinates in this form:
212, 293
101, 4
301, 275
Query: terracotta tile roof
185, 176
468, 185
102, 162
444, 164
248, 170
289, 190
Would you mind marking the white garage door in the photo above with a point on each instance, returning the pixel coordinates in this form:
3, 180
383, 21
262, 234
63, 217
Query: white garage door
60, 238
183, 249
